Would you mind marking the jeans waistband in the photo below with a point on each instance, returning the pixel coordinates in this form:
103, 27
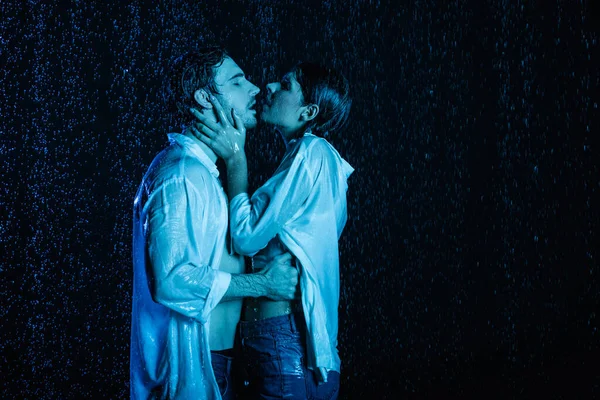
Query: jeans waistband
221, 362
291, 322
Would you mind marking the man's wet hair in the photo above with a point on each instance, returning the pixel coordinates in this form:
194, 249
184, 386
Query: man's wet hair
328, 89
186, 74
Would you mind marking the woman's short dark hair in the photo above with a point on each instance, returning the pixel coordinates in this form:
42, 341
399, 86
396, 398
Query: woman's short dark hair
328, 89
186, 74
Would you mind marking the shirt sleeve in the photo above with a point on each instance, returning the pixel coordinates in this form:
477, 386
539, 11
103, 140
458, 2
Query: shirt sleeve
253, 223
178, 278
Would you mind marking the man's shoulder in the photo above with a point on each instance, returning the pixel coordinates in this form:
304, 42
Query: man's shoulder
175, 163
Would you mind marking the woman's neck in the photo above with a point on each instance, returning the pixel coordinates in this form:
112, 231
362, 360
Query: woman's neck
288, 136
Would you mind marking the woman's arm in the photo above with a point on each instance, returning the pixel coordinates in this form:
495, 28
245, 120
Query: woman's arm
253, 223
237, 174
227, 141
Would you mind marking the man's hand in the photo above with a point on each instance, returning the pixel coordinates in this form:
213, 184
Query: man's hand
226, 140
277, 281
282, 278
259, 262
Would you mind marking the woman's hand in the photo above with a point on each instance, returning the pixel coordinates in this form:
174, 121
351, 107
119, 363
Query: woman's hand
226, 140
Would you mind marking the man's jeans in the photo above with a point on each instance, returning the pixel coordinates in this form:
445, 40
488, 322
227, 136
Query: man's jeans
222, 367
274, 354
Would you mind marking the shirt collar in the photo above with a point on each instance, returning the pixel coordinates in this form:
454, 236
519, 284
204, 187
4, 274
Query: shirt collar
292, 143
195, 149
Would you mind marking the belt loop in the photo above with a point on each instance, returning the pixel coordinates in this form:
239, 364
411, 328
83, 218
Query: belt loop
229, 362
293, 326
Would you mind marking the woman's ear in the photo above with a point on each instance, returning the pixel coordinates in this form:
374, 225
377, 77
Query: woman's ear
201, 97
312, 110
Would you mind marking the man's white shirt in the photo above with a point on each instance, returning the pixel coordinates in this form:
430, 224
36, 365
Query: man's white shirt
180, 225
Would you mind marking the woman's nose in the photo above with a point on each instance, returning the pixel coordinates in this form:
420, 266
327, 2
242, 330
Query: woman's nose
271, 87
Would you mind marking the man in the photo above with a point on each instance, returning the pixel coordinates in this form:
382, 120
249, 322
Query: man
188, 287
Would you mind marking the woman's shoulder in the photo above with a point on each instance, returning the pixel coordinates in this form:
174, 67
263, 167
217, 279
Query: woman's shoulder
315, 146
321, 152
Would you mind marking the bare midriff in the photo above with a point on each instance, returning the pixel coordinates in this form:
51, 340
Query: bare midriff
256, 309
261, 308
226, 315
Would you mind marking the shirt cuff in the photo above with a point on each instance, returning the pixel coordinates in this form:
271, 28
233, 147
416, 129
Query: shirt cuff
218, 290
238, 200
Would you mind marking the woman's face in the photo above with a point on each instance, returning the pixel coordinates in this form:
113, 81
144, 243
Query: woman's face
283, 105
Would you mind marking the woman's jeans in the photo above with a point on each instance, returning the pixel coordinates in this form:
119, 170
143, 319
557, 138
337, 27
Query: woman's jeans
273, 352
222, 367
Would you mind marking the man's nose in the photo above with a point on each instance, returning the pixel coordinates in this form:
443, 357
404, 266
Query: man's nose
254, 90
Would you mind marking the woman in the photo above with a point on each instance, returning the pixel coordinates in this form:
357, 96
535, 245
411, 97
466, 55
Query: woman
291, 346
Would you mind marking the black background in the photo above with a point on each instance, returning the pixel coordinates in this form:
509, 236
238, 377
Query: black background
470, 259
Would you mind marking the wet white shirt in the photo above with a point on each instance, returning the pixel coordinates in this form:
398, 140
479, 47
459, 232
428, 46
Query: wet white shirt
304, 206
180, 225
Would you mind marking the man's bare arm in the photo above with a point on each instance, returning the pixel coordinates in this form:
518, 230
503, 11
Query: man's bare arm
277, 281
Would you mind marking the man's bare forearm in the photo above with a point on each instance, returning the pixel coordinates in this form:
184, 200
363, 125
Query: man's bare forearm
246, 285
277, 281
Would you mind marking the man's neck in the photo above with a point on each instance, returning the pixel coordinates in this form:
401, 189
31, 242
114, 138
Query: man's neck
211, 154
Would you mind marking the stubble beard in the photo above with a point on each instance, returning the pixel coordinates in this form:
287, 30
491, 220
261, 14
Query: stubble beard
250, 122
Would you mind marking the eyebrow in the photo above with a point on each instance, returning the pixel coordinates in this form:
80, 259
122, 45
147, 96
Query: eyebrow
238, 75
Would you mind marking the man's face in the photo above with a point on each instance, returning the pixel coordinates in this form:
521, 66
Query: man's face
236, 92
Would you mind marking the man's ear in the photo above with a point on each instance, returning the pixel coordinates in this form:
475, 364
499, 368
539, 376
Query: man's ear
312, 110
201, 97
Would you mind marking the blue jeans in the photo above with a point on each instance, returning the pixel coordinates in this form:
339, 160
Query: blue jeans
274, 354
222, 368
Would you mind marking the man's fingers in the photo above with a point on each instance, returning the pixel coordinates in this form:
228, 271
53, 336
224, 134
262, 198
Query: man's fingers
295, 294
259, 260
283, 258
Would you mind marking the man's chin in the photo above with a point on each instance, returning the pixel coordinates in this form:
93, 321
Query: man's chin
250, 123
264, 117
